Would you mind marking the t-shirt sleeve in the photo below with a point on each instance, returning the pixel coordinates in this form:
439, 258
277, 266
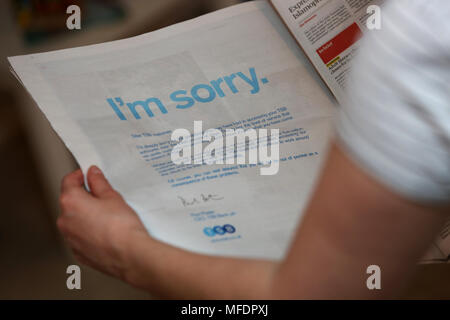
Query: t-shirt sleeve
396, 122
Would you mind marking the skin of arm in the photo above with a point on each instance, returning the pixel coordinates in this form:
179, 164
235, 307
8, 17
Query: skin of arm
351, 222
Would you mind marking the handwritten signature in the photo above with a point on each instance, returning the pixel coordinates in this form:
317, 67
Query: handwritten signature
204, 198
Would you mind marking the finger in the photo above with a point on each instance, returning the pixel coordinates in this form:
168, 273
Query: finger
72, 180
98, 184
73, 194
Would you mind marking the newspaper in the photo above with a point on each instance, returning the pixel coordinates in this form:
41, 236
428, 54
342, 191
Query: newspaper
440, 250
329, 31
166, 79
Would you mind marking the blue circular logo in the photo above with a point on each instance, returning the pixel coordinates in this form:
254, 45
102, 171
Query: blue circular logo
229, 228
219, 230
209, 232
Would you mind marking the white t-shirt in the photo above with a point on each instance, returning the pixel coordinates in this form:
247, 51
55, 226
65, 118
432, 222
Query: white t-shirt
396, 123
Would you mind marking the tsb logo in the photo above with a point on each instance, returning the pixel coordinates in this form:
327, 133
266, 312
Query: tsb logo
219, 230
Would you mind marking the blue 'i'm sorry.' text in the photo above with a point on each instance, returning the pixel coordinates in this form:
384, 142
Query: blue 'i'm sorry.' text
202, 93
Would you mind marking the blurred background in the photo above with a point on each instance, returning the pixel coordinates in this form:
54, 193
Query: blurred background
33, 257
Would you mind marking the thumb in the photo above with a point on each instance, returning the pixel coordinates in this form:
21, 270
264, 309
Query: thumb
98, 184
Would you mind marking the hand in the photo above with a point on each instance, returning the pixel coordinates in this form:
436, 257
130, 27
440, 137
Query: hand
97, 225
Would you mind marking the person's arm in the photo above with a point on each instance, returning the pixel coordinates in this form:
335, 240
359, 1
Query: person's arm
351, 222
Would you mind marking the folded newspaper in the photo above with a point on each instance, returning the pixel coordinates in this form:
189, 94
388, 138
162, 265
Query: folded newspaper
257, 65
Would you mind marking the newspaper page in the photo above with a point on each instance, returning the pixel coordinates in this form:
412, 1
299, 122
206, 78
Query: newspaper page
329, 32
443, 241
117, 104
440, 250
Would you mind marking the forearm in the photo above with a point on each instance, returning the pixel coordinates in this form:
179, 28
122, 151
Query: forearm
352, 221
173, 273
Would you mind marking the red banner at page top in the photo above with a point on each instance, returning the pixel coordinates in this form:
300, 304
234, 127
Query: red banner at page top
340, 43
